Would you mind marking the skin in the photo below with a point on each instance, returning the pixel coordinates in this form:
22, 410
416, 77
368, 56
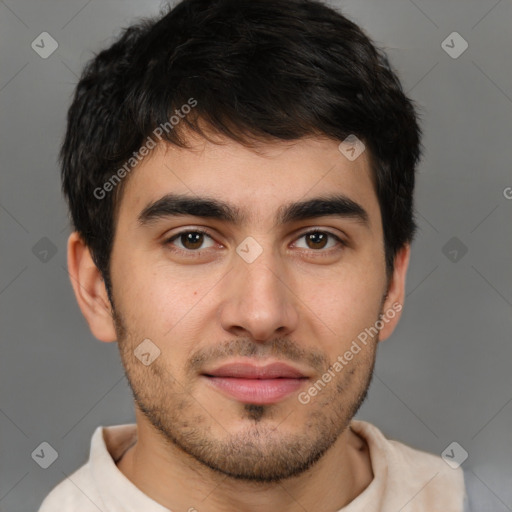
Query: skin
197, 447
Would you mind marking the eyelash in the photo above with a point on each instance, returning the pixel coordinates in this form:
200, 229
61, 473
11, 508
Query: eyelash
197, 253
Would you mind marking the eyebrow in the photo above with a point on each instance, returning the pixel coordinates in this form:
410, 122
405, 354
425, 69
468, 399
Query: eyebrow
174, 205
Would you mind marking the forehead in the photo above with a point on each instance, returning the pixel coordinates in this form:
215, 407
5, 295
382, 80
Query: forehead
256, 181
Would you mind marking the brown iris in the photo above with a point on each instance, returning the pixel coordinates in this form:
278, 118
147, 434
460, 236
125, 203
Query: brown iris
318, 239
192, 240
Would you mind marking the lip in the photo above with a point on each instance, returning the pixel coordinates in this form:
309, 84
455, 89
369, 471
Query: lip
244, 370
249, 383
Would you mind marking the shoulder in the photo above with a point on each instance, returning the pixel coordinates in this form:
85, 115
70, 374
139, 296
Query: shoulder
400, 457
427, 468
79, 491
415, 473
76, 492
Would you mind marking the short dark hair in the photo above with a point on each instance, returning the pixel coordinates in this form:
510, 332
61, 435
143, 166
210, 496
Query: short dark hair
258, 71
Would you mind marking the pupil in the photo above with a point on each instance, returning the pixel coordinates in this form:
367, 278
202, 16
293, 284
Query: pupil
317, 237
189, 240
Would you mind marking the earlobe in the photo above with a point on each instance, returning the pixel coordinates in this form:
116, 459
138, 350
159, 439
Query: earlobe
90, 291
393, 305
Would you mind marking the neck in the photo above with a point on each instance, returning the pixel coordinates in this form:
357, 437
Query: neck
177, 481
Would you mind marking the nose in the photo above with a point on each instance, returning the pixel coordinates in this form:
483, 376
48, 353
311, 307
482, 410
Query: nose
258, 299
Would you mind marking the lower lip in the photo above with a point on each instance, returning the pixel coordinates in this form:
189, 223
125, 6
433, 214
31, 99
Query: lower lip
256, 391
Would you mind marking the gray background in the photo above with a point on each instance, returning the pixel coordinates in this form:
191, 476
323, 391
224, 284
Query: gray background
445, 374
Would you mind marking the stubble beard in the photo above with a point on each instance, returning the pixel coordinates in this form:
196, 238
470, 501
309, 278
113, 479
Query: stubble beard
260, 452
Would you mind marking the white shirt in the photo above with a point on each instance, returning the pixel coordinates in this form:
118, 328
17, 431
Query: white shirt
405, 479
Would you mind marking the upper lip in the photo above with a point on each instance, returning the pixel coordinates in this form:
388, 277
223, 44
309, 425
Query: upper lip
243, 370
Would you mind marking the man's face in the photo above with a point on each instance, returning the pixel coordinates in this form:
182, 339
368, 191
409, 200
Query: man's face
251, 293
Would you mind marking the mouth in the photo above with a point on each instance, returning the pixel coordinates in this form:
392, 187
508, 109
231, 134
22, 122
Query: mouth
251, 384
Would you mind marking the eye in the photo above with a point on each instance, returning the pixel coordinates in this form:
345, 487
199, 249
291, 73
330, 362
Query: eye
190, 240
318, 240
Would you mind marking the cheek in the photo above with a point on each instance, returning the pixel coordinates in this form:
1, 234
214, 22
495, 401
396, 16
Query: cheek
346, 306
147, 301
167, 306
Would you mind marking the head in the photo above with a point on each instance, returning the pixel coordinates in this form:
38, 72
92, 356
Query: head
230, 113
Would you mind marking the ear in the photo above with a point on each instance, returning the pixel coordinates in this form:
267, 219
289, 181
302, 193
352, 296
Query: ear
393, 305
90, 291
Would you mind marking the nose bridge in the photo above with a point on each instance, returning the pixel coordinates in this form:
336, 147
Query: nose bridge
258, 300
263, 276
259, 273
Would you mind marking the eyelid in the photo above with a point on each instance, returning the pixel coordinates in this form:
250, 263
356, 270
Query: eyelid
337, 237
300, 234
169, 240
